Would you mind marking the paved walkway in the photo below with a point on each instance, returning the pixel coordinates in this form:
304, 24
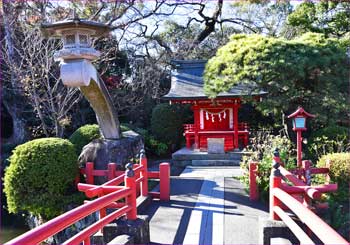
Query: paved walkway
207, 206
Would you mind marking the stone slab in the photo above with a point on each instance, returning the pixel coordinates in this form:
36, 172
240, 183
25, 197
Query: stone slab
215, 162
185, 154
169, 220
241, 224
216, 145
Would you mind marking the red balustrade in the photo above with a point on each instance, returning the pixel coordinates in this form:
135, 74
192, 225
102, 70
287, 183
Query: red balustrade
109, 195
281, 197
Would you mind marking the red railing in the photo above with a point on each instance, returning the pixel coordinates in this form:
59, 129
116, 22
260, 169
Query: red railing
253, 187
281, 199
110, 195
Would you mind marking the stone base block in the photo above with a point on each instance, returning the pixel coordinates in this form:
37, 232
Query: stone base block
138, 229
97, 239
271, 229
122, 240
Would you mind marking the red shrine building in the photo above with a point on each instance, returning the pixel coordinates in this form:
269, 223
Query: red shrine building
214, 120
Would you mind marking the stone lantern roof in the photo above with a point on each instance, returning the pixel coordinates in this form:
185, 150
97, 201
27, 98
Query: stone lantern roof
77, 37
55, 29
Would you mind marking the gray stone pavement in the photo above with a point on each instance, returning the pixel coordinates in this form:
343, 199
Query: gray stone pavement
207, 206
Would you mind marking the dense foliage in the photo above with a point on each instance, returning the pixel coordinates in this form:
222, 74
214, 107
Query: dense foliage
262, 147
152, 145
307, 71
339, 201
339, 167
331, 139
84, 135
166, 123
40, 177
328, 17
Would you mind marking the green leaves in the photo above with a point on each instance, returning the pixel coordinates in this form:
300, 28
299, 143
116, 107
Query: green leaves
303, 71
40, 174
329, 17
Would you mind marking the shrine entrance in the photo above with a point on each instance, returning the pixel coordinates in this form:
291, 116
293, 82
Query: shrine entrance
213, 119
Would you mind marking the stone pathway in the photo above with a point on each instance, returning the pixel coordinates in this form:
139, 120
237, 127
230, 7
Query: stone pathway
207, 206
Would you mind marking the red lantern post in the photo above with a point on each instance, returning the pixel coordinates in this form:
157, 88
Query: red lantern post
299, 125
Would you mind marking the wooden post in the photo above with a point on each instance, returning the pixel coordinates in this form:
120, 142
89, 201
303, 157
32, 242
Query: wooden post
253, 190
275, 182
131, 199
235, 125
144, 173
188, 140
89, 168
196, 127
328, 178
299, 148
111, 170
164, 181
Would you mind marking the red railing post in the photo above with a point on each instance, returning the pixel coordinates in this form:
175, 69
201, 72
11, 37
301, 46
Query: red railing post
164, 181
89, 168
328, 165
307, 171
275, 182
131, 199
111, 170
144, 173
253, 190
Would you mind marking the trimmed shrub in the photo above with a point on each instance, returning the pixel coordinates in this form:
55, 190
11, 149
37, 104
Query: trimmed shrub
40, 177
339, 201
84, 135
166, 124
340, 167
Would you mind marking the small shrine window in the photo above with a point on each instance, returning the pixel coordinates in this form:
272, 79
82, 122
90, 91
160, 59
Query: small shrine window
83, 39
70, 39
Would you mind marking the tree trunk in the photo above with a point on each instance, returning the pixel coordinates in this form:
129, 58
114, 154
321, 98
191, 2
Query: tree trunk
19, 132
13, 102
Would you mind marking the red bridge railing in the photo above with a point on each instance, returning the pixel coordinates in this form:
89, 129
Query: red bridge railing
282, 197
109, 195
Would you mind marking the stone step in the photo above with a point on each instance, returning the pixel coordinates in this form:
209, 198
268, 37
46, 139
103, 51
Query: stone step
205, 156
215, 162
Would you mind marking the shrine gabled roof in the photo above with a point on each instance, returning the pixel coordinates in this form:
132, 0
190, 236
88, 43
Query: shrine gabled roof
187, 83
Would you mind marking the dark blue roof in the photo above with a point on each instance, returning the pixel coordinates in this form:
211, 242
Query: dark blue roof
187, 82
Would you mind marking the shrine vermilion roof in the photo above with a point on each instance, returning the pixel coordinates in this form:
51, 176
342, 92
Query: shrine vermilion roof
187, 83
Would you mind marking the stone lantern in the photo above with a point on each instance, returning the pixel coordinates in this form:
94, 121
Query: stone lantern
77, 52
77, 70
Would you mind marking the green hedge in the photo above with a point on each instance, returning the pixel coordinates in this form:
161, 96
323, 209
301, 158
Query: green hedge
40, 177
166, 124
338, 213
84, 135
340, 167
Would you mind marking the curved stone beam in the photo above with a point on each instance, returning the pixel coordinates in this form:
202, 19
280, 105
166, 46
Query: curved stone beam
82, 74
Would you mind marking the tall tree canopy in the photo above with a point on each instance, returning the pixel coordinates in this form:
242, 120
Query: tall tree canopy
329, 17
310, 71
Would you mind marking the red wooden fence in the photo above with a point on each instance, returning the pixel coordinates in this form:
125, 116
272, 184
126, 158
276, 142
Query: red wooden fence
109, 195
281, 198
